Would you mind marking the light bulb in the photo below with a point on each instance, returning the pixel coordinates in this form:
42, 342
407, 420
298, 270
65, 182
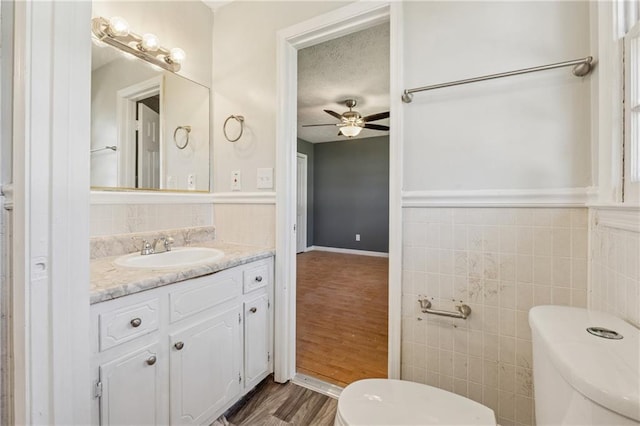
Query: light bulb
176, 55
351, 130
149, 43
118, 26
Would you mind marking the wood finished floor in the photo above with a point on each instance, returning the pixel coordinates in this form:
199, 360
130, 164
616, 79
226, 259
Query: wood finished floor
273, 404
342, 310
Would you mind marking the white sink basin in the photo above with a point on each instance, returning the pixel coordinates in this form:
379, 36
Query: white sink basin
176, 258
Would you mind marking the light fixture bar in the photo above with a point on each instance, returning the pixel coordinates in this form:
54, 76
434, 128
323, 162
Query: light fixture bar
161, 57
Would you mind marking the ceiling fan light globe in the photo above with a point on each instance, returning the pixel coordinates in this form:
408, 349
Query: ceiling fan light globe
351, 131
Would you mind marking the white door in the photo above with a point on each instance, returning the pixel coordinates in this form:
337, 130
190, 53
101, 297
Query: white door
256, 340
301, 209
131, 391
205, 368
148, 147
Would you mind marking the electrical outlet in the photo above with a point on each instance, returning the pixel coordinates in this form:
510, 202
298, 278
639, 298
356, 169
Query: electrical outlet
236, 185
265, 178
357, 237
191, 181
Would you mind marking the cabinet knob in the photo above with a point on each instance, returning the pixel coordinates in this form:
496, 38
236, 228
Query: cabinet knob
136, 322
179, 345
259, 278
151, 360
253, 310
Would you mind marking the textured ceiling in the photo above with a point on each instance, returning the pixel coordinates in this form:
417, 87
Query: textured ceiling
355, 66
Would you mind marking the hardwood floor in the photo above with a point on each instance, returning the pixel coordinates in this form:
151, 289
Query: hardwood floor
273, 404
342, 310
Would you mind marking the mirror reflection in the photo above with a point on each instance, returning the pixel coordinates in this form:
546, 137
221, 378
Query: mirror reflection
149, 127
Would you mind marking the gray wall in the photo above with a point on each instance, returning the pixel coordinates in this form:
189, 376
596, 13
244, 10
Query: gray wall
307, 148
351, 194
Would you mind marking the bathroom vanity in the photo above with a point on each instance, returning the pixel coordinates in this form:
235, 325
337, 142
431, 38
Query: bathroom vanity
180, 346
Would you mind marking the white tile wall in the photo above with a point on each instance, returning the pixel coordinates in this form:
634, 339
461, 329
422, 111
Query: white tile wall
501, 262
615, 264
108, 219
252, 224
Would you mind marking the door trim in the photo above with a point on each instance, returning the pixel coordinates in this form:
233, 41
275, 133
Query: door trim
301, 228
126, 111
346, 20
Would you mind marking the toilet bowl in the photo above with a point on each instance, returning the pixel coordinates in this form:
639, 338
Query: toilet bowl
388, 402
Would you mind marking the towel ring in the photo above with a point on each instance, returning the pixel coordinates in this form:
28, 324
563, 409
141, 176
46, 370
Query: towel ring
239, 119
175, 133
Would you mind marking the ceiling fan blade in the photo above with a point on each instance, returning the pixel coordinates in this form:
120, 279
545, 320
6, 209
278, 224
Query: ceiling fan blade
376, 117
333, 114
316, 125
376, 127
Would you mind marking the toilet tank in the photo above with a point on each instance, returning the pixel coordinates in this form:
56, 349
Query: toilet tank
580, 378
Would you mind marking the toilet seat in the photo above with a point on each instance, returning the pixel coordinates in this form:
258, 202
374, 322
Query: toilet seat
397, 402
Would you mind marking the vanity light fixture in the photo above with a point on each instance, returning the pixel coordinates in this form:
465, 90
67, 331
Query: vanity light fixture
115, 31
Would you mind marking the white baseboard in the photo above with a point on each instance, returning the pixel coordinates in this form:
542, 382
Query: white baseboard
317, 385
348, 251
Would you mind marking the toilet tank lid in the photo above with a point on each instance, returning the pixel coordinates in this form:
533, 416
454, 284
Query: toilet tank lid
605, 371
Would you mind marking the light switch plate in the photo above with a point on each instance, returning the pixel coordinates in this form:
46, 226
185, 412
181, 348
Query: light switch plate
236, 184
265, 178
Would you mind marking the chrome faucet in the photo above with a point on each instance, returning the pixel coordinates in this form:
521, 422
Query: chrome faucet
150, 248
166, 244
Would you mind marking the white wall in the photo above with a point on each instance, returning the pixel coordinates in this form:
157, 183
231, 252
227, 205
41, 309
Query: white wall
244, 74
186, 104
514, 133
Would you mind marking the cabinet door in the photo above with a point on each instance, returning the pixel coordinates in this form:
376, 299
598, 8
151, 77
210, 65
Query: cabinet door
256, 339
205, 368
131, 393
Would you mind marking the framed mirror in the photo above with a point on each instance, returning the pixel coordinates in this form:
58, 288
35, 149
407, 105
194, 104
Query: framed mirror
149, 127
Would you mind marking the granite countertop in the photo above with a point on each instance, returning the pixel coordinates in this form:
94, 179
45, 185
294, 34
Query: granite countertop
109, 281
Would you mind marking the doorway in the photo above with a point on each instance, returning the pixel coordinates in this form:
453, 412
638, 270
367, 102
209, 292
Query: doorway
334, 24
139, 122
341, 290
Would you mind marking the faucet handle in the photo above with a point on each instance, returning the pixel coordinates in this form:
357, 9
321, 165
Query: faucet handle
147, 248
168, 241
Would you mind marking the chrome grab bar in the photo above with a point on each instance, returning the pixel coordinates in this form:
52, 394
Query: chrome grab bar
463, 311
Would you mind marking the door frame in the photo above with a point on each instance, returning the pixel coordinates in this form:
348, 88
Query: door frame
301, 228
343, 21
126, 108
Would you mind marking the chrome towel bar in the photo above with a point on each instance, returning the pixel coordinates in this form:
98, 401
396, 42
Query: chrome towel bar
463, 311
112, 148
581, 68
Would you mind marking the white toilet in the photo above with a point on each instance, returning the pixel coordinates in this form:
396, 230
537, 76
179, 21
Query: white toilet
389, 402
582, 378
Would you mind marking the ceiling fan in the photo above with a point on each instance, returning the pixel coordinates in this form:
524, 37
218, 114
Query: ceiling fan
351, 122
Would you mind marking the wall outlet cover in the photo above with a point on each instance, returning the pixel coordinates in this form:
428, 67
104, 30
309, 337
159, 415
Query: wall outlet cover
357, 237
236, 184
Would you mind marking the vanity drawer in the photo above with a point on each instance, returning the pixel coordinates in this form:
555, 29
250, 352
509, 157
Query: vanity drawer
204, 293
256, 275
128, 322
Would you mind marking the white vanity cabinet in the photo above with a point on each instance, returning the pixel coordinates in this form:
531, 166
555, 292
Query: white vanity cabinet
131, 388
183, 353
